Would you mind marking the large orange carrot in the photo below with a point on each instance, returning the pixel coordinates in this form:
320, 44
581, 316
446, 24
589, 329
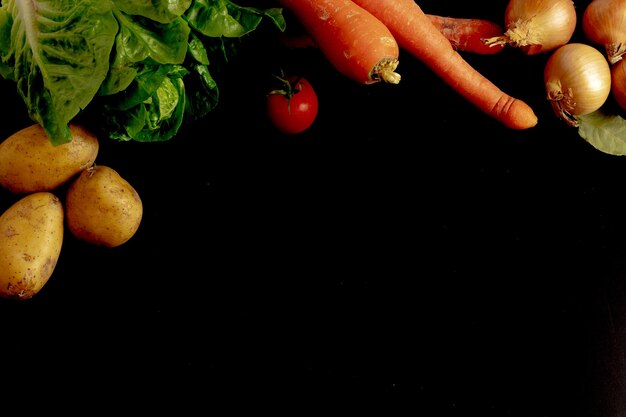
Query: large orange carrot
356, 43
467, 34
416, 34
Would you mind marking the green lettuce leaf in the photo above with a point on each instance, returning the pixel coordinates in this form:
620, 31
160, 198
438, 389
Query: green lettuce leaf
151, 109
163, 11
202, 89
140, 39
222, 18
57, 52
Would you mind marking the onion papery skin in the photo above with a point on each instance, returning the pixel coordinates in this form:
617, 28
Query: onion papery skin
618, 83
536, 26
604, 23
577, 79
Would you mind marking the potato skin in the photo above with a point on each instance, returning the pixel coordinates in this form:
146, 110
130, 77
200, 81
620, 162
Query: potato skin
102, 208
29, 162
31, 237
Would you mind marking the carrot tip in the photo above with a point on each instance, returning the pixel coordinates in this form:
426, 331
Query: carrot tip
526, 117
385, 71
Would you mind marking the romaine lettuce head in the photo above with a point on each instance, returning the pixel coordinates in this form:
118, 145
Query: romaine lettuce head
142, 66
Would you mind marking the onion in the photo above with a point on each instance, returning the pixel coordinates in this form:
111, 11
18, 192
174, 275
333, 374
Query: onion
537, 26
577, 79
604, 23
618, 83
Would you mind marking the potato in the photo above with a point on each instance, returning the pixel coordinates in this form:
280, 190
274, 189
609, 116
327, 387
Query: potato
102, 208
31, 236
29, 162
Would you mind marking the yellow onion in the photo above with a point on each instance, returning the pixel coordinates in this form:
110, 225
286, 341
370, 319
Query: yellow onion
604, 23
537, 26
577, 79
618, 83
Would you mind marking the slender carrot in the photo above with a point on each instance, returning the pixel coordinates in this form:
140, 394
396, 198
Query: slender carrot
416, 34
467, 34
356, 43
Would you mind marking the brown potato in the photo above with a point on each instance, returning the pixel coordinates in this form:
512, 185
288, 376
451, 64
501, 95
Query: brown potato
31, 236
102, 208
30, 163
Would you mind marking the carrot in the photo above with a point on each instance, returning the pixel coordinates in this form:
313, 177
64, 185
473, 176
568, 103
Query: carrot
416, 34
467, 34
356, 43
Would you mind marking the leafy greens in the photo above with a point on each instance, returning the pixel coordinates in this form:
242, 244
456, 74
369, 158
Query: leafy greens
142, 66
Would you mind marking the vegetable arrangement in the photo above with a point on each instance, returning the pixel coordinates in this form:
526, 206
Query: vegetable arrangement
578, 79
139, 70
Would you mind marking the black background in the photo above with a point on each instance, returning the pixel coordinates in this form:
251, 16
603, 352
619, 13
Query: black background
406, 250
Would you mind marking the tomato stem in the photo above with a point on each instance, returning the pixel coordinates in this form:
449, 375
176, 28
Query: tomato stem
290, 88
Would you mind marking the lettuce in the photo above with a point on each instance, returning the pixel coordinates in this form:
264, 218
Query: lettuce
141, 68
57, 52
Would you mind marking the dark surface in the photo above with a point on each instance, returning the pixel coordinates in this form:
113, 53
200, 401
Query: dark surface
406, 245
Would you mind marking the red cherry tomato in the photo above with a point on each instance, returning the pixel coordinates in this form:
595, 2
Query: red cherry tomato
292, 108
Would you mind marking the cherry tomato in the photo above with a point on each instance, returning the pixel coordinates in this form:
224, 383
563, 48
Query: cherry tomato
293, 107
